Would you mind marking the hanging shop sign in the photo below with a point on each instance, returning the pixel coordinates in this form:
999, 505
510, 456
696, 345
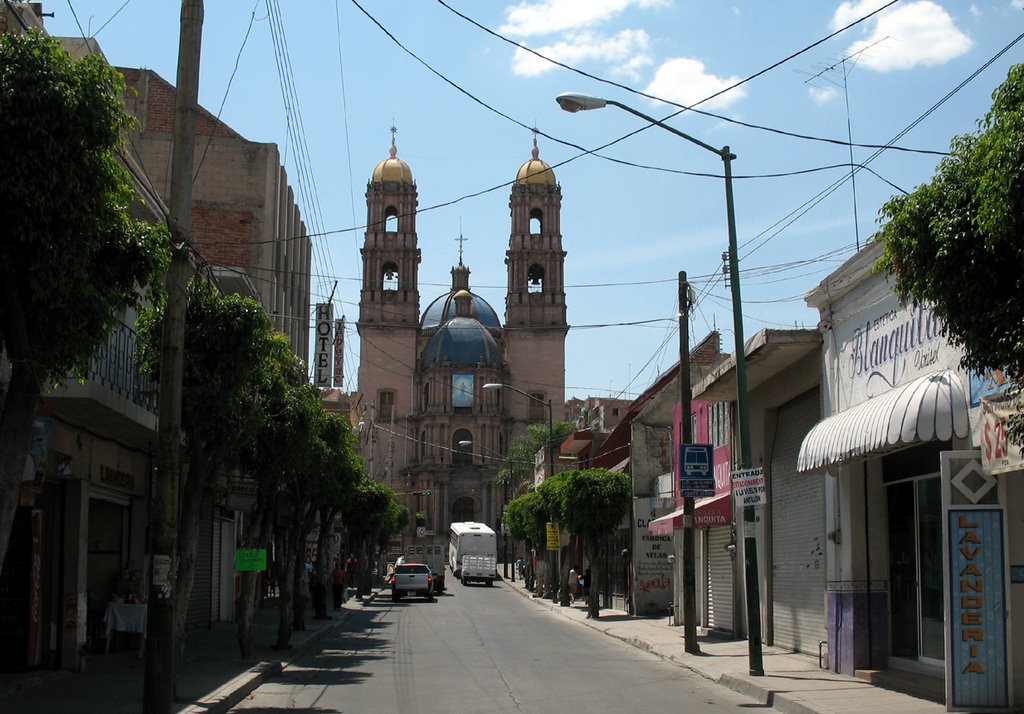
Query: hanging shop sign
748, 487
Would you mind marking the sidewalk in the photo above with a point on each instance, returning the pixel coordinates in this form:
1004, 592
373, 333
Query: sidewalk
212, 679
792, 683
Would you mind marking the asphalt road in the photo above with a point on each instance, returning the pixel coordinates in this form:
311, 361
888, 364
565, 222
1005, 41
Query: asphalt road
483, 649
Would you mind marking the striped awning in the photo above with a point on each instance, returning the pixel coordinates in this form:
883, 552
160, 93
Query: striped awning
931, 408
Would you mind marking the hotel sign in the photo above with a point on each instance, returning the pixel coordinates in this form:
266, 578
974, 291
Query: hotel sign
977, 672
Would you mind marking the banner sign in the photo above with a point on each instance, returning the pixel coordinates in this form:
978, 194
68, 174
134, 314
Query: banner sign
977, 673
250, 560
748, 487
339, 352
998, 454
322, 356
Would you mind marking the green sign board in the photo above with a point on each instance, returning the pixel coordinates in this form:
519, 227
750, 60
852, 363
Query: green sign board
249, 560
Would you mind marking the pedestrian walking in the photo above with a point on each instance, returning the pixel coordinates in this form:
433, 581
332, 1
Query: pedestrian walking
338, 584
574, 583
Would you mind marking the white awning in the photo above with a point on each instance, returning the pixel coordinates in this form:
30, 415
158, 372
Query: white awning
931, 408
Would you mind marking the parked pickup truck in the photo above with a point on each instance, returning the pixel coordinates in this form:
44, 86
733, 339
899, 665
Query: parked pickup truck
479, 569
412, 579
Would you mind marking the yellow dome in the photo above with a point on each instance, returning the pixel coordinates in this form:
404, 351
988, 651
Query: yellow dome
535, 171
392, 168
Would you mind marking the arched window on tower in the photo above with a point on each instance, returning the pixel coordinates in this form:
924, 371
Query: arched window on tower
535, 279
391, 219
389, 276
462, 454
536, 222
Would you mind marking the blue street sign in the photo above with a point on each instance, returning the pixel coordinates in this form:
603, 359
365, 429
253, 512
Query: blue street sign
696, 471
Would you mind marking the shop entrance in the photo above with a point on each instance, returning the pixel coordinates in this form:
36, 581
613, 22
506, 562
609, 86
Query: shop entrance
915, 569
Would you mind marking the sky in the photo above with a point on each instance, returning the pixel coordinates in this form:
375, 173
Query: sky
784, 84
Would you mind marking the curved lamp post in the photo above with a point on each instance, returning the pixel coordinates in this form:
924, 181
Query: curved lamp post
572, 102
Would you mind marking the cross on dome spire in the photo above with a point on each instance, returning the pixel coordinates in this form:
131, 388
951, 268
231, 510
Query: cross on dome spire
393, 151
460, 240
535, 152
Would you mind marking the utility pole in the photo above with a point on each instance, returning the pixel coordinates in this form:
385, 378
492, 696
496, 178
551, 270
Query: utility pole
686, 437
159, 680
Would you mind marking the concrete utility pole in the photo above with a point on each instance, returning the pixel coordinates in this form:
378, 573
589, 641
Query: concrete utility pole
158, 688
686, 437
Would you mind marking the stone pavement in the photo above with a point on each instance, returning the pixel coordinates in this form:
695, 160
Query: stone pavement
792, 683
213, 678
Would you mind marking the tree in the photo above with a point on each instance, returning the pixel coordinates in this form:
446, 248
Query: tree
594, 502
368, 515
276, 448
227, 339
526, 517
517, 466
550, 492
72, 254
955, 242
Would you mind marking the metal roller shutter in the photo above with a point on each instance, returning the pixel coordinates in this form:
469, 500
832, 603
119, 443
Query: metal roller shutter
720, 579
798, 533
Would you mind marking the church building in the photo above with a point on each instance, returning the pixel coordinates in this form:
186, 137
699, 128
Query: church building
429, 428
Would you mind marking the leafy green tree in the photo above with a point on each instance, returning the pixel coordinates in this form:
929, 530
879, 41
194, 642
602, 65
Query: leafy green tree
550, 492
277, 449
527, 518
368, 515
955, 242
517, 467
72, 253
226, 342
594, 502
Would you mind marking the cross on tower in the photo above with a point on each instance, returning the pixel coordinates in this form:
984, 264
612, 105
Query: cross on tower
460, 240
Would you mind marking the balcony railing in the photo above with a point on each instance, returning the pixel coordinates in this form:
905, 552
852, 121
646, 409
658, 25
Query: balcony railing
114, 367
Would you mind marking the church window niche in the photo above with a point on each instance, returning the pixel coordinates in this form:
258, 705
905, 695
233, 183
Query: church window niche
462, 509
538, 408
536, 222
389, 276
462, 447
462, 393
535, 279
391, 219
423, 445
386, 404
426, 396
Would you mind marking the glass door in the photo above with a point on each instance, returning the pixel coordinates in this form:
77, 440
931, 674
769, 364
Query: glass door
915, 569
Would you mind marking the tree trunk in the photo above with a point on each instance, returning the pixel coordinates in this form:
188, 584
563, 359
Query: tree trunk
257, 534
194, 502
567, 553
324, 565
596, 576
16, 417
285, 573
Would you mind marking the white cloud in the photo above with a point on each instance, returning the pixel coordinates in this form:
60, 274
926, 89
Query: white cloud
549, 16
684, 80
906, 36
626, 50
1017, 4
822, 95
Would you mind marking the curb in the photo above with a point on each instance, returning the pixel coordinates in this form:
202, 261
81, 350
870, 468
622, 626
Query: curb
235, 690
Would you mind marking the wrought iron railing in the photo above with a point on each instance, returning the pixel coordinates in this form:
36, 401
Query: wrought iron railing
114, 367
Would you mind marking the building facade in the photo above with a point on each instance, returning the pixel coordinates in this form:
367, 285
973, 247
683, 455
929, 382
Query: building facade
430, 429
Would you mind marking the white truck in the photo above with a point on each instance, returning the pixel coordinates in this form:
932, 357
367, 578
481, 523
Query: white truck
479, 569
431, 551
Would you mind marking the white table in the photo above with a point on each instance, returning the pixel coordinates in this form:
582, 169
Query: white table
126, 617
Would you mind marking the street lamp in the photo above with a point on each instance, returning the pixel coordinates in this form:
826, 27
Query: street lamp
551, 430
572, 103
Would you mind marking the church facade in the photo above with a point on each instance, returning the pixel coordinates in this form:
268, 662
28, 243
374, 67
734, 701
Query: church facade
429, 428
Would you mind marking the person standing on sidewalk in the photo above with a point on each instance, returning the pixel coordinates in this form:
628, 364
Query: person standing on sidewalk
338, 584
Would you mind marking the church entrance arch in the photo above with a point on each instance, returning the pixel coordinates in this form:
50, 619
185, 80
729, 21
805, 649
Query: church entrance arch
463, 509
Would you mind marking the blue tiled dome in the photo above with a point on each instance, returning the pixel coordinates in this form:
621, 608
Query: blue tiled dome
443, 308
462, 341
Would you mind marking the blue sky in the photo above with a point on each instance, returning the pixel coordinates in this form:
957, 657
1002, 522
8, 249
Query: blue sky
463, 94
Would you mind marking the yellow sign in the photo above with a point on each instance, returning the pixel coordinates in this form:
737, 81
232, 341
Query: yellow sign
552, 536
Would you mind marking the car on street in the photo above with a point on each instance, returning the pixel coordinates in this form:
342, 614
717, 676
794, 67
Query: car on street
412, 579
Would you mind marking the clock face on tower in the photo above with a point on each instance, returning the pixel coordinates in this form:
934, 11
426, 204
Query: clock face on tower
462, 390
